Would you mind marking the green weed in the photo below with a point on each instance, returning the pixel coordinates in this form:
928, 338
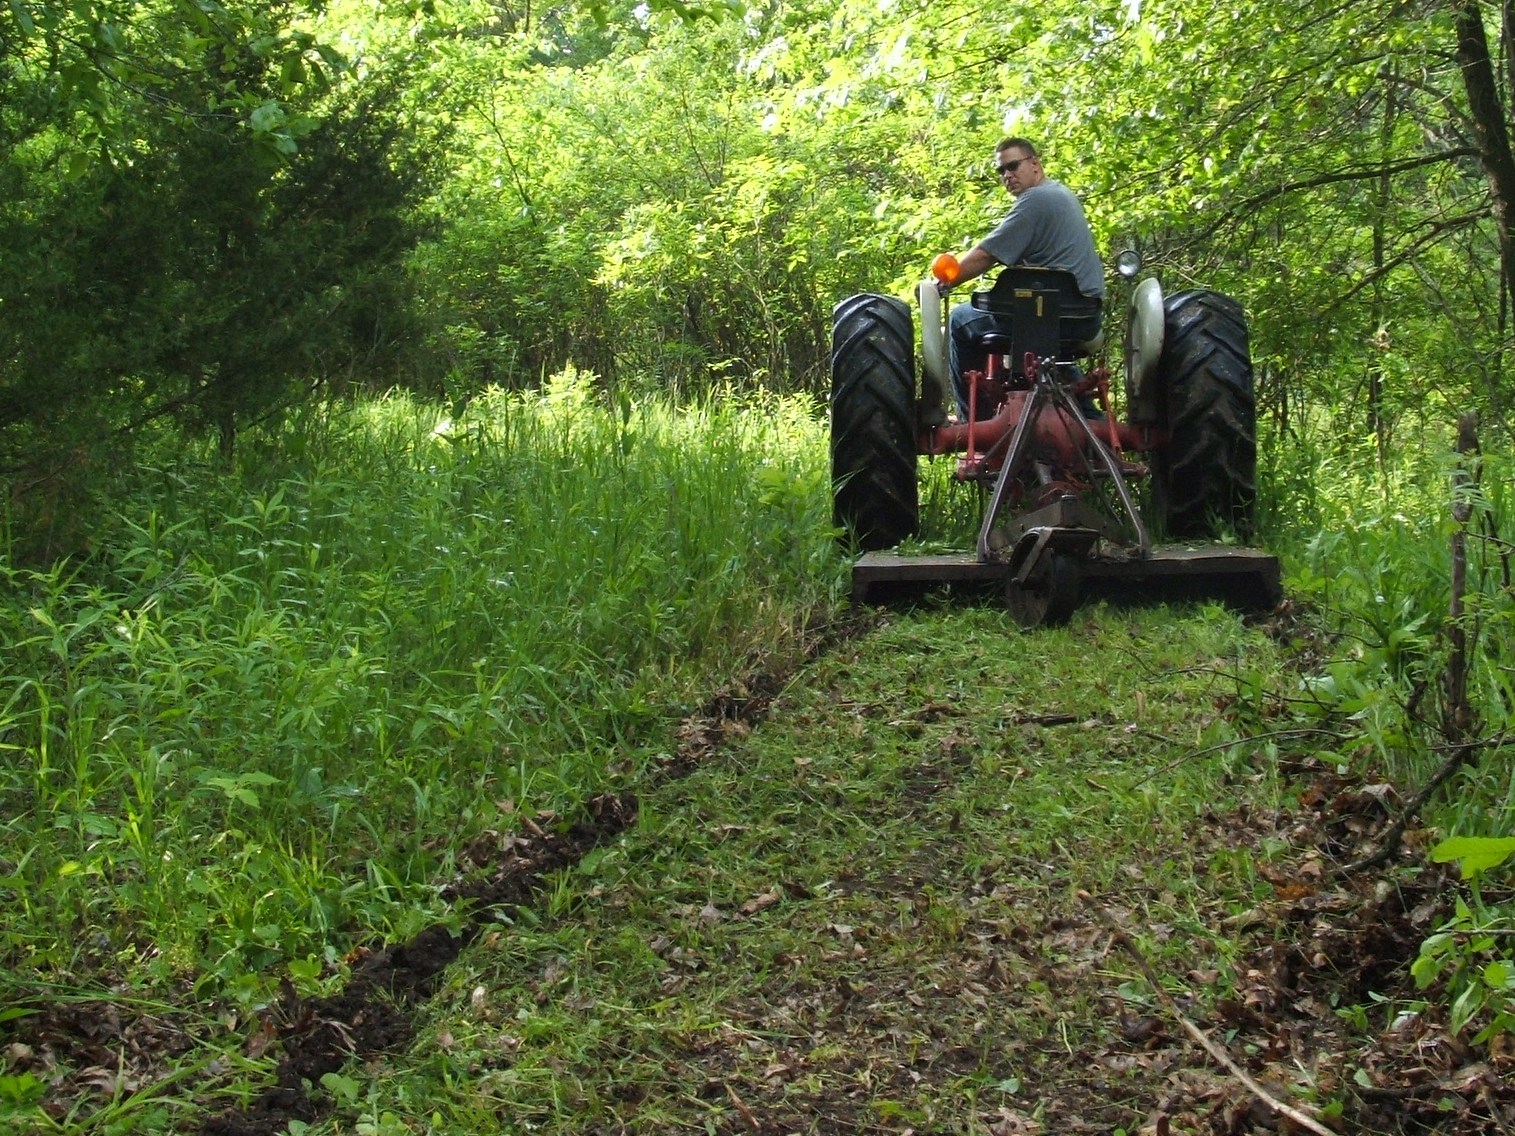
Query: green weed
264, 723
254, 731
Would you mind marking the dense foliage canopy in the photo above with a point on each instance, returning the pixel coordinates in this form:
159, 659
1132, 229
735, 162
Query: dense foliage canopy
211, 210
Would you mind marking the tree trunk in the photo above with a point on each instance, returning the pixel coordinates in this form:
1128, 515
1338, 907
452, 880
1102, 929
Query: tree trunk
1488, 113
1376, 417
1507, 30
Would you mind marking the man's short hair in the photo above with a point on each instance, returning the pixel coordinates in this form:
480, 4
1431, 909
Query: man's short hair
1017, 143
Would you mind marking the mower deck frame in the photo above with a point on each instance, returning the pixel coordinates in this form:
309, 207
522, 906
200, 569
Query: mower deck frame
1246, 578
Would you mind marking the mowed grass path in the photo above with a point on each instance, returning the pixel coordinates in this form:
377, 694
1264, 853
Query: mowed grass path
886, 907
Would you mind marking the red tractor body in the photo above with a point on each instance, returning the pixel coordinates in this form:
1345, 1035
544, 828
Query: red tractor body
1072, 493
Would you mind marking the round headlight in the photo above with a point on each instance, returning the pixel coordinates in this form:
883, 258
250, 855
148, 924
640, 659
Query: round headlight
1128, 263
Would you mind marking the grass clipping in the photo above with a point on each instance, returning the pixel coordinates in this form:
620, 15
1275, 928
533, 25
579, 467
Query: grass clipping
895, 905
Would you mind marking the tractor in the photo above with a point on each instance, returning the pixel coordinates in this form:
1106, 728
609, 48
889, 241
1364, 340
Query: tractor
1073, 499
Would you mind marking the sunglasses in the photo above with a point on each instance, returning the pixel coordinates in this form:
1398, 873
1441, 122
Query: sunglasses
1011, 167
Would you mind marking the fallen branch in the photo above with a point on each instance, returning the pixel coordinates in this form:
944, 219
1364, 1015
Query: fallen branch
1292, 732
1045, 719
1303, 1119
1392, 836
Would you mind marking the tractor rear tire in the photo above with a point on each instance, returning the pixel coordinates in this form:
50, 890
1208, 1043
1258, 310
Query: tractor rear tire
873, 454
1204, 481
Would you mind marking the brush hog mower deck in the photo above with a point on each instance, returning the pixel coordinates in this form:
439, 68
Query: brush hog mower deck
1071, 495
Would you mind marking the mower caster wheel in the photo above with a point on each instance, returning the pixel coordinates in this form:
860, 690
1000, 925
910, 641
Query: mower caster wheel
1049, 594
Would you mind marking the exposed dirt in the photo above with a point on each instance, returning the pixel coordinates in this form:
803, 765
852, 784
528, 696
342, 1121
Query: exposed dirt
1317, 946
372, 1015
1330, 944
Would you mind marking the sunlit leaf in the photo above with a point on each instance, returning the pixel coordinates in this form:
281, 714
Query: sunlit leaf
1477, 853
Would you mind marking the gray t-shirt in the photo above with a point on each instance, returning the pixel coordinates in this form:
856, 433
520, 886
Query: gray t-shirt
1046, 227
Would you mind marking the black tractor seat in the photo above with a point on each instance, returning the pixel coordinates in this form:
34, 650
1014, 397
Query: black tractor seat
1048, 315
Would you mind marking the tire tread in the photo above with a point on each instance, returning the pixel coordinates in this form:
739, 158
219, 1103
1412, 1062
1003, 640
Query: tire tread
873, 458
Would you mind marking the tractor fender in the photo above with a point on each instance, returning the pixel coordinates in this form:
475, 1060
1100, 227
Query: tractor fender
1144, 346
933, 345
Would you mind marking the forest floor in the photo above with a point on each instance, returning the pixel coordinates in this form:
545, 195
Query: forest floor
940, 877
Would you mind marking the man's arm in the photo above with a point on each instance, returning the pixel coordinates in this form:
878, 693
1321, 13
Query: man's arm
973, 264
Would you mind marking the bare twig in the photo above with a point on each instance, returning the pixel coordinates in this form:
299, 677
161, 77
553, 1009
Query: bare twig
1214, 1049
1459, 756
743, 1109
1293, 732
1493, 1106
1045, 719
1459, 719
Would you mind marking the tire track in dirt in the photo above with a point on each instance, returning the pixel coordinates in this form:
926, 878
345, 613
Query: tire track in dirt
373, 1013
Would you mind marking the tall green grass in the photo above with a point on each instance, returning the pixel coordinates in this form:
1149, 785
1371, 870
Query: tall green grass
1370, 551
255, 728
